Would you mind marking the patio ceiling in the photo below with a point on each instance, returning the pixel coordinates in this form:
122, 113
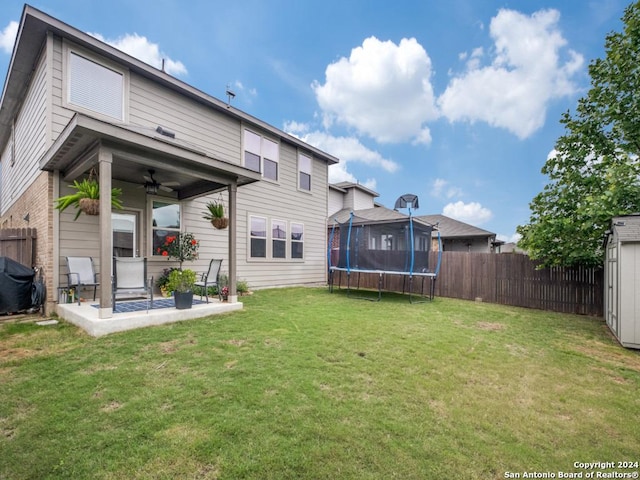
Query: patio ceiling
192, 171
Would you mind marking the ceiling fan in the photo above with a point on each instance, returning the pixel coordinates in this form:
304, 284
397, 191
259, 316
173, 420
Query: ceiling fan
152, 186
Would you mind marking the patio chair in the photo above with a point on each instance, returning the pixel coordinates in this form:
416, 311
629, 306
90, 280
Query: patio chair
210, 278
130, 278
81, 274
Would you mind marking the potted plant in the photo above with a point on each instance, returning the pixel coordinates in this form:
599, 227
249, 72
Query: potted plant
181, 246
163, 281
181, 283
224, 293
215, 214
87, 197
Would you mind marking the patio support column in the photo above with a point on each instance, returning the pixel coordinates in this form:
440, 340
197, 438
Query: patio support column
105, 158
233, 217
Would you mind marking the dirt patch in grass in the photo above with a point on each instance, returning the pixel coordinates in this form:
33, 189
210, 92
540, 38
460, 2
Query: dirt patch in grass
490, 326
111, 407
611, 354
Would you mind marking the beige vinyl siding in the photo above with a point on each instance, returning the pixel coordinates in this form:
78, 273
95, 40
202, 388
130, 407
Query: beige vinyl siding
60, 116
30, 137
336, 200
361, 200
152, 105
283, 201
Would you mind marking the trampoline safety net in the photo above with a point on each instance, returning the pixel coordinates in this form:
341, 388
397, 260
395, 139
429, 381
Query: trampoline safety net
392, 246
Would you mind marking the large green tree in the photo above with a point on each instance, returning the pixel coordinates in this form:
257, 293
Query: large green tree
595, 172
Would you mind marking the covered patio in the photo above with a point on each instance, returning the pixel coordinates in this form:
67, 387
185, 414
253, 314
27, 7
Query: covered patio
126, 153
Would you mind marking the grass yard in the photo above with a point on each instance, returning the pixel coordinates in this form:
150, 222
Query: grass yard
304, 384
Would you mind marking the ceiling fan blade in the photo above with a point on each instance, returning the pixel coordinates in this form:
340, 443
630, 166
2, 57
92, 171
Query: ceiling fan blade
165, 188
147, 178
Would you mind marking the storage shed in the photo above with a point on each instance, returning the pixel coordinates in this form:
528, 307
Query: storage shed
622, 279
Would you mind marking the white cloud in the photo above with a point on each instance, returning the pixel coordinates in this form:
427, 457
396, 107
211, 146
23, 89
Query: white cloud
526, 73
296, 128
141, 48
8, 36
513, 238
347, 149
382, 90
442, 188
472, 213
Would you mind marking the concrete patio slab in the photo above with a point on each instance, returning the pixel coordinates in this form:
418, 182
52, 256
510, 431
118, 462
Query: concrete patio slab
86, 317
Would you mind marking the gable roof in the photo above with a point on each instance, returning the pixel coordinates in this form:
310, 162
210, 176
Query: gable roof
627, 227
344, 186
379, 214
450, 227
32, 34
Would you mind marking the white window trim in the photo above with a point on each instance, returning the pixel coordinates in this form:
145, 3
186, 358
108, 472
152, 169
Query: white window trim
68, 49
283, 240
292, 241
149, 223
267, 248
299, 171
262, 157
269, 258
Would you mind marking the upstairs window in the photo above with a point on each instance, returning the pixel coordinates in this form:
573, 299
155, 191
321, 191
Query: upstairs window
304, 171
261, 155
95, 87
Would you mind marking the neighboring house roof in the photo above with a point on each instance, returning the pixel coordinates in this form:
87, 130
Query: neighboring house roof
373, 214
627, 227
451, 228
31, 37
344, 186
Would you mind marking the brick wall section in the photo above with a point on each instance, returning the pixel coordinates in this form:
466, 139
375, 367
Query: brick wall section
37, 201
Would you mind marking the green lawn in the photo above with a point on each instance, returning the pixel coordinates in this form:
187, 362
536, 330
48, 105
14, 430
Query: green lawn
304, 384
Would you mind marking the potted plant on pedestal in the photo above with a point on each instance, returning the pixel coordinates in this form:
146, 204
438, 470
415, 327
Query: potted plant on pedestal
181, 282
182, 247
215, 214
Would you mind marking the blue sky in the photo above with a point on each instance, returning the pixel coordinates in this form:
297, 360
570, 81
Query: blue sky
457, 102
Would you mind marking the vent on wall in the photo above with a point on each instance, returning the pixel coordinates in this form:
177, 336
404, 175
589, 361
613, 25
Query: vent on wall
165, 132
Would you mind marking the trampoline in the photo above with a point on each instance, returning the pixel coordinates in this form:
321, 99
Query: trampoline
383, 248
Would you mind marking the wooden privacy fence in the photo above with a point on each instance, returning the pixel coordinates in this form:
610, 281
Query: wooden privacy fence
508, 279
19, 244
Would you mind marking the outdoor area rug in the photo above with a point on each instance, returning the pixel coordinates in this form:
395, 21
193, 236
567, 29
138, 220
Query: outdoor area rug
137, 306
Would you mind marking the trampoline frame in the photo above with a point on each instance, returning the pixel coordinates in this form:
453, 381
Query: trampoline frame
422, 298
431, 276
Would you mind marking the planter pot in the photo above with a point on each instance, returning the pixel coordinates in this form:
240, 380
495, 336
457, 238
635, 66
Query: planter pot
183, 300
90, 206
220, 223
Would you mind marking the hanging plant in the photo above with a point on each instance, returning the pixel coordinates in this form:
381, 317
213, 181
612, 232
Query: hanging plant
87, 197
215, 214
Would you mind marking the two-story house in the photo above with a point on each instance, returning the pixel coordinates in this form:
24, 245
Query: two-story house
72, 104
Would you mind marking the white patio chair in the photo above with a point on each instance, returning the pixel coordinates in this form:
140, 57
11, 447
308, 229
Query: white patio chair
81, 274
130, 278
210, 278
